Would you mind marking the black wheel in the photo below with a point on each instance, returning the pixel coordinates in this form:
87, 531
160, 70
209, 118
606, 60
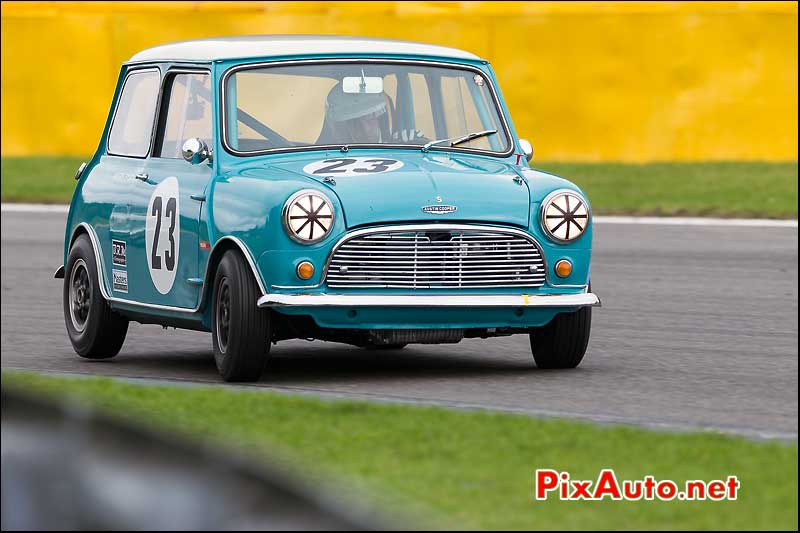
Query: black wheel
240, 331
562, 343
94, 329
385, 346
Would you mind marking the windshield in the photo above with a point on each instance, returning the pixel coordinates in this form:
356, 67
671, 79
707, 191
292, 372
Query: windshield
361, 104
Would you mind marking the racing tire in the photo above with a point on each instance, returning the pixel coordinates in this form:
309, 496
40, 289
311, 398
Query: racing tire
240, 331
95, 330
562, 342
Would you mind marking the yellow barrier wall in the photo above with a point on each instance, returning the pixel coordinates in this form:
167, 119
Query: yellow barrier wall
585, 81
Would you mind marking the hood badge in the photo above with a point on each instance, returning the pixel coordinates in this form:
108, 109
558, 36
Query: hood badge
439, 209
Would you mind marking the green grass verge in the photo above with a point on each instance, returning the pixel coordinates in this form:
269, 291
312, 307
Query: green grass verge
733, 189
475, 469
38, 179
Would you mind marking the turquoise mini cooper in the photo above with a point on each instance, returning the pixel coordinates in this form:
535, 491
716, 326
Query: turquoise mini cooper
363, 191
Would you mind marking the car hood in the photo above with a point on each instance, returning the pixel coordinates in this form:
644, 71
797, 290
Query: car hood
479, 189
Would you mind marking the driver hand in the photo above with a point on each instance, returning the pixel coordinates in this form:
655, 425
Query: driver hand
410, 136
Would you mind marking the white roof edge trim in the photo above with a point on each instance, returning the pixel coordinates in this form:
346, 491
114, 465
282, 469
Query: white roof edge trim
264, 46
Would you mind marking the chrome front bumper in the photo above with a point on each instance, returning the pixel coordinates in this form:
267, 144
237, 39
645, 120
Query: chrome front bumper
586, 299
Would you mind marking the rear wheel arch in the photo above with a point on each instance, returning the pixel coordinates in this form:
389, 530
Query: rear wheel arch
84, 228
77, 232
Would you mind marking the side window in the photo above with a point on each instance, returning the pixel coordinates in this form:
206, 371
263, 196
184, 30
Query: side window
188, 113
133, 121
468, 109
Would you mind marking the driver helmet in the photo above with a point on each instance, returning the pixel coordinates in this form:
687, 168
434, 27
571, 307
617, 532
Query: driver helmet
355, 117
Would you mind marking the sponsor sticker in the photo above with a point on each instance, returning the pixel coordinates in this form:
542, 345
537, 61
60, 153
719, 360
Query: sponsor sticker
120, 278
119, 253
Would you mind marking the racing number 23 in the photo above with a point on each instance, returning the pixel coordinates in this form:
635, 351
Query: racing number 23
163, 234
377, 165
171, 212
352, 166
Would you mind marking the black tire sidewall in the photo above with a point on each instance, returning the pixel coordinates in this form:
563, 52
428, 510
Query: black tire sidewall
246, 353
222, 359
83, 341
562, 343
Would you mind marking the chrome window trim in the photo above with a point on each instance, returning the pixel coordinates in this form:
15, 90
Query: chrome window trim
441, 64
547, 200
98, 256
430, 227
137, 70
170, 71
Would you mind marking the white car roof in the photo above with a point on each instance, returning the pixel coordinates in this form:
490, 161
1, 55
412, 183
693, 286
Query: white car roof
260, 46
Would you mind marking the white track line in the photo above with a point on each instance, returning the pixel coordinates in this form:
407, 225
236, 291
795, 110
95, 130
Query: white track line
34, 208
663, 221
697, 221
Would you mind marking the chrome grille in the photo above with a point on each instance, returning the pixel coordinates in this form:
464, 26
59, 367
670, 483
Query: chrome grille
436, 259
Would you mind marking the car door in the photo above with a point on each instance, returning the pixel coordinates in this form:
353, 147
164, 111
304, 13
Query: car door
170, 195
108, 190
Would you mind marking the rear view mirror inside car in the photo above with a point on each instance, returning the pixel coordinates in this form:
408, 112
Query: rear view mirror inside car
361, 84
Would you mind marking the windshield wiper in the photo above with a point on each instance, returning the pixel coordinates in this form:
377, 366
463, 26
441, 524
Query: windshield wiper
454, 141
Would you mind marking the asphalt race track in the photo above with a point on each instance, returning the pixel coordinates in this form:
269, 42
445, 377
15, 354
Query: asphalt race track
698, 329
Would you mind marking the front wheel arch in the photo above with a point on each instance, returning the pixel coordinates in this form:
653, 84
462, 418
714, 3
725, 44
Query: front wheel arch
223, 245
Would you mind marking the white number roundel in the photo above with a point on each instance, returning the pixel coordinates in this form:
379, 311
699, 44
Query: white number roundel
163, 234
352, 166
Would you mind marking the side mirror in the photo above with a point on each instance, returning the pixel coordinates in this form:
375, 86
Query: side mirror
527, 149
195, 151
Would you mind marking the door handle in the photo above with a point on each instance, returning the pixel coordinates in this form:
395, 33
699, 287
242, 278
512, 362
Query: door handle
142, 177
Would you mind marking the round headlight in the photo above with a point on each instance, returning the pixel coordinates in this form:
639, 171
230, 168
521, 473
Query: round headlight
308, 216
565, 215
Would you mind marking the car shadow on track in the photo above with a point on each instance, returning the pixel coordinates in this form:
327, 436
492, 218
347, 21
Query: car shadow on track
413, 362
316, 363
